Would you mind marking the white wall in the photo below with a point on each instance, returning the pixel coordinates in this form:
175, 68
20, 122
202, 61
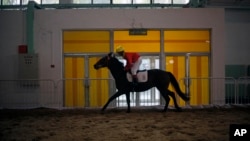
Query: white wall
230, 33
237, 37
12, 34
50, 23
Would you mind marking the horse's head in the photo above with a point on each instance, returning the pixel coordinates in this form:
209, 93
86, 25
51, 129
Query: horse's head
104, 61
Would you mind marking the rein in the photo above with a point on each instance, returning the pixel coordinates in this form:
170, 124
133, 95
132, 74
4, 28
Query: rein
107, 61
118, 73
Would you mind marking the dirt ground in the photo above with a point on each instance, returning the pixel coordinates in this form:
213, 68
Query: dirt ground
148, 124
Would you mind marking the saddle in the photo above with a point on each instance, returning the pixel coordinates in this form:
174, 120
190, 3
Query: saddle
142, 76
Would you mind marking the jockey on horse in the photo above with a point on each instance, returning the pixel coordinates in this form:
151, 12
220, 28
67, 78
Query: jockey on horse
134, 61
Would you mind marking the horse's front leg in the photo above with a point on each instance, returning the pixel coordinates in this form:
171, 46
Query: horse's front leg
117, 94
128, 101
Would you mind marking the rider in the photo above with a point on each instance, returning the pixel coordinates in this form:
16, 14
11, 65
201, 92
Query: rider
133, 61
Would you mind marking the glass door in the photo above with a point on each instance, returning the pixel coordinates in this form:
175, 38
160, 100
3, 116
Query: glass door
83, 85
187, 56
196, 68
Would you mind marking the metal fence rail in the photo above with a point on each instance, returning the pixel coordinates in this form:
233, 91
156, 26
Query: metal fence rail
80, 92
95, 93
211, 90
243, 90
28, 94
148, 98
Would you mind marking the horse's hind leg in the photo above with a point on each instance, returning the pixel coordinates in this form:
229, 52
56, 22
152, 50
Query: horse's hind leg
175, 101
128, 101
167, 99
165, 96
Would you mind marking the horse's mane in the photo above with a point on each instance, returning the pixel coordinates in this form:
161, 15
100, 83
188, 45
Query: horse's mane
117, 63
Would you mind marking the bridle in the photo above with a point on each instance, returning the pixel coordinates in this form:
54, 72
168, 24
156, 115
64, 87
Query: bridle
107, 60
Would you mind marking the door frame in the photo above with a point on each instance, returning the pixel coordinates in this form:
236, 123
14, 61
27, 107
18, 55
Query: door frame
187, 77
86, 57
162, 55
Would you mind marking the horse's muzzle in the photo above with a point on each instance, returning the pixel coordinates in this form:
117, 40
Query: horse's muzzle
96, 67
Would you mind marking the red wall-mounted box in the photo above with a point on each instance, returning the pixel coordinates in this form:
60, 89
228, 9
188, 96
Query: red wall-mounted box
22, 49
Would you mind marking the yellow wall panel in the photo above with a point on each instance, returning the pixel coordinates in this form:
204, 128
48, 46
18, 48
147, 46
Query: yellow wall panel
99, 41
176, 65
199, 89
73, 87
138, 43
170, 68
85, 48
86, 41
74, 84
181, 74
186, 47
190, 41
187, 35
86, 35
99, 88
139, 47
187, 41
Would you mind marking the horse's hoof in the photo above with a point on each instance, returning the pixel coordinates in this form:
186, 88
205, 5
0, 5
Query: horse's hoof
178, 110
164, 110
102, 111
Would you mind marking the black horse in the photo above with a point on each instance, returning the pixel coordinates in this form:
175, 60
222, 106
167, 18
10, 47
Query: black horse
156, 78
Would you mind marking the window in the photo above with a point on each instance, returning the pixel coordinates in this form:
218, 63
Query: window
170, 1
11, 2
25, 2
50, 1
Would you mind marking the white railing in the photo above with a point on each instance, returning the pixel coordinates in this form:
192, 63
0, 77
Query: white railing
243, 90
210, 90
95, 92
28, 94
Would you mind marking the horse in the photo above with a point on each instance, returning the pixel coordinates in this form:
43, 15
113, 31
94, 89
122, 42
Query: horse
156, 78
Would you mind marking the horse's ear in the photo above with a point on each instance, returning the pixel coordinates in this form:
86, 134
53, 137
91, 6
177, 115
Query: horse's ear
111, 54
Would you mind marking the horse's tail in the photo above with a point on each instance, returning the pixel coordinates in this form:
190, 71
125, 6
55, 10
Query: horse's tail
177, 87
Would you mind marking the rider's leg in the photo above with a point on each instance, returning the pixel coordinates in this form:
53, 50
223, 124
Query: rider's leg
134, 70
135, 80
134, 76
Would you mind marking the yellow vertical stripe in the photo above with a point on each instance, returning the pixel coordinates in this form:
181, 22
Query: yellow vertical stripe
100, 96
181, 74
175, 67
82, 42
205, 73
170, 67
74, 88
176, 72
199, 81
74, 75
199, 88
68, 84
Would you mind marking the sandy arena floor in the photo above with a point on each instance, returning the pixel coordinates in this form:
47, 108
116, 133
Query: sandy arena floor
117, 125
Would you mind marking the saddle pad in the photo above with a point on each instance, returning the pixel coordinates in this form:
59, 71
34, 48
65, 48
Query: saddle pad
142, 76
